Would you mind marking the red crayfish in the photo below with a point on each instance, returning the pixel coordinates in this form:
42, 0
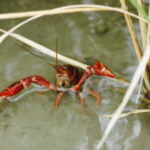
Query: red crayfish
68, 78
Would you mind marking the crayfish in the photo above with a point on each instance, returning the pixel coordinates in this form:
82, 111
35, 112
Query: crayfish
68, 79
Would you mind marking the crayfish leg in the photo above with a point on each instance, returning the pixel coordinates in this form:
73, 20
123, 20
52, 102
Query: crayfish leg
58, 100
81, 99
96, 95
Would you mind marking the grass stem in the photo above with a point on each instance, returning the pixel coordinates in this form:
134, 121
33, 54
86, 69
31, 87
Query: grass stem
136, 44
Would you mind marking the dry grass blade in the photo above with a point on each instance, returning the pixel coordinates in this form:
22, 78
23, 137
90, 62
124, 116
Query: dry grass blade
136, 44
48, 52
68, 9
143, 27
45, 51
140, 70
62, 10
144, 33
138, 111
132, 31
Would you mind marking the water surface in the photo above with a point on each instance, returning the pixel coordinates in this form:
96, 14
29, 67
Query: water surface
32, 123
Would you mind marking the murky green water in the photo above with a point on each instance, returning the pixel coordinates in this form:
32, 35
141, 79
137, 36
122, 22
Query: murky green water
32, 123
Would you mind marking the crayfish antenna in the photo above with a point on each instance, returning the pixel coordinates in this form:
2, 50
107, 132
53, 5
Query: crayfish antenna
56, 61
37, 55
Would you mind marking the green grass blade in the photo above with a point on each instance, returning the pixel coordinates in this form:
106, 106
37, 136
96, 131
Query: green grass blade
140, 9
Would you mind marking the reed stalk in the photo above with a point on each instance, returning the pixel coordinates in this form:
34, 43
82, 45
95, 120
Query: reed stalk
144, 34
136, 111
46, 51
136, 77
40, 49
143, 26
60, 10
68, 9
135, 42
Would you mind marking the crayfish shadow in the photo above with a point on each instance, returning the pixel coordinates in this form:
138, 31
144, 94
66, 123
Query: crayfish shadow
4, 105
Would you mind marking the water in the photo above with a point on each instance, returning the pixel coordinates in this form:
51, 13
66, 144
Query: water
32, 123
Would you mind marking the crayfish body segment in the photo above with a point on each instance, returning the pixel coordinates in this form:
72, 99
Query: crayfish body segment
67, 76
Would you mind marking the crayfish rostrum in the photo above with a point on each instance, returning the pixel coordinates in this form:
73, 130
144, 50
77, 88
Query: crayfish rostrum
68, 78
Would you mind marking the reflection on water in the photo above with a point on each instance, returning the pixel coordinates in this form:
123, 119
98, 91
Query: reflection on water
32, 123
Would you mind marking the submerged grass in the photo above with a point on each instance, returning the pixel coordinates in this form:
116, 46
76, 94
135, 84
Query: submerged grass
143, 56
136, 111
